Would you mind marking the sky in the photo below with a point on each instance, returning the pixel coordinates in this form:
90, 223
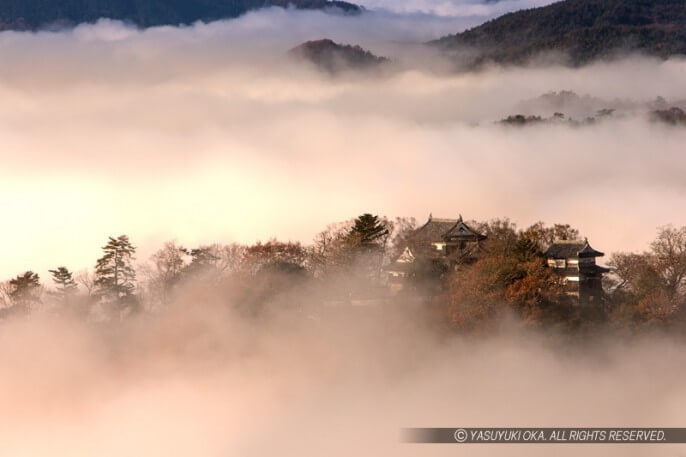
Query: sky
211, 133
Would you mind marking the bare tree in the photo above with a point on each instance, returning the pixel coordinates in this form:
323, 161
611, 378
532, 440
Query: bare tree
331, 251
401, 228
630, 272
669, 249
651, 284
87, 280
272, 253
544, 236
229, 257
168, 264
5, 298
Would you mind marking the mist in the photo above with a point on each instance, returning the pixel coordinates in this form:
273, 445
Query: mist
200, 379
212, 133
172, 133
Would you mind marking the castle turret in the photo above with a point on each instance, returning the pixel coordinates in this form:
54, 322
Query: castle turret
575, 262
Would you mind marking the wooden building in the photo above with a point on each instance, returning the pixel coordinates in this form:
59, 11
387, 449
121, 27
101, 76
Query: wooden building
575, 262
432, 250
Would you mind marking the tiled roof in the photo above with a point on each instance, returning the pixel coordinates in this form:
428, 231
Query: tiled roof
437, 230
433, 230
592, 269
588, 251
563, 249
461, 231
583, 270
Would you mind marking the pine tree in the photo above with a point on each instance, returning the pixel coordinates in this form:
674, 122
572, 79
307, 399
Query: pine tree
203, 257
66, 286
25, 290
203, 262
115, 276
367, 239
368, 231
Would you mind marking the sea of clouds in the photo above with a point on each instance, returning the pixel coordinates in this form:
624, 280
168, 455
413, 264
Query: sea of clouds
211, 132
197, 379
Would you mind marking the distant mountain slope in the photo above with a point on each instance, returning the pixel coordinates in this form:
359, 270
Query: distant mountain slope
333, 57
583, 29
33, 14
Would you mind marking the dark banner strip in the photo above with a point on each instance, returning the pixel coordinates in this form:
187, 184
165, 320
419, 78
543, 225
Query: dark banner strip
544, 435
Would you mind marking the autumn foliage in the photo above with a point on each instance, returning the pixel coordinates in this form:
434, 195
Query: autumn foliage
508, 275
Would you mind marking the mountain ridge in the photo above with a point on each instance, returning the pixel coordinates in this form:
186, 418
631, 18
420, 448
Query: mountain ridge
583, 30
37, 14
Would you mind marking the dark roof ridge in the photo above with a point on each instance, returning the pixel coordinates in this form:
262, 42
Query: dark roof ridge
464, 231
572, 248
439, 219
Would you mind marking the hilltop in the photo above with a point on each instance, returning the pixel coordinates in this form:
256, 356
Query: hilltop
334, 57
583, 30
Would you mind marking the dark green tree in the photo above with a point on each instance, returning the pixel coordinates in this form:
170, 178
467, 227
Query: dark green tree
25, 290
115, 276
369, 231
367, 239
203, 261
65, 285
203, 257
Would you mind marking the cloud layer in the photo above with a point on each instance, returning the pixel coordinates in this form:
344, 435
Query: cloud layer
197, 380
209, 133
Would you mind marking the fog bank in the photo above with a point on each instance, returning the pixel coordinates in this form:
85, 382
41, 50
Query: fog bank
199, 380
210, 133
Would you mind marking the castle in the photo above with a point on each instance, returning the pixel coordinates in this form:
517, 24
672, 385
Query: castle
575, 262
432, 250
440, 245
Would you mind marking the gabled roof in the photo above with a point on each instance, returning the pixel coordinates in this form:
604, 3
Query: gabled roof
588, 251
436, 230
461, 231
406, 256
562, 249
433, 230
420, 245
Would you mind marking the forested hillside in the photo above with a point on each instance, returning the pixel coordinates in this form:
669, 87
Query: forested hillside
583, 30
33, 14
334, 57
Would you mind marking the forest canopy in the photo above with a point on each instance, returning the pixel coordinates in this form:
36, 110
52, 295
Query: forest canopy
347, 263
